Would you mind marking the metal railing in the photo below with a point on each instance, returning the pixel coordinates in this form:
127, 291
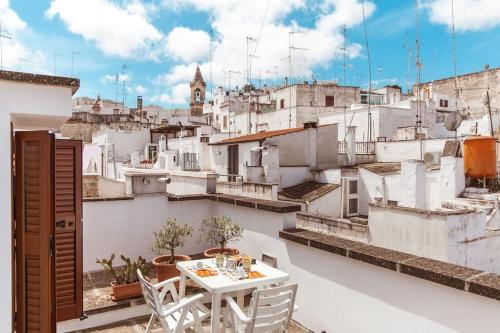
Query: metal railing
190, 162
342, 147
362, 148
365, 147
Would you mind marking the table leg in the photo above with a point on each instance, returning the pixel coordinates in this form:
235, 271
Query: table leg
240, 298
182, 285
216, 300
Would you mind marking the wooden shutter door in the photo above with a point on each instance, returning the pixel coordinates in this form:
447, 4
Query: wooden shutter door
68, 229
34, 232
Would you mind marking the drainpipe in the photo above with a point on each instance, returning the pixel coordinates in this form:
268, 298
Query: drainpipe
384, 201
342, 181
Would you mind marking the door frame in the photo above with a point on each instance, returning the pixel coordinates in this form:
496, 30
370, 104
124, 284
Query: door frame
232, 161
350, 196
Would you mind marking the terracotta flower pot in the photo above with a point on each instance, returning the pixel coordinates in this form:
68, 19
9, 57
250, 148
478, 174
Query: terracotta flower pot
124, 291
210, 253
165, 270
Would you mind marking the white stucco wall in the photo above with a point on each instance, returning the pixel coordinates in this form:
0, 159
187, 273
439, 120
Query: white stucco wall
335, 292
124, 141
458, 239
191, 182
126, 226
368, 184
400, 150
28, 107
329, 204
291, 176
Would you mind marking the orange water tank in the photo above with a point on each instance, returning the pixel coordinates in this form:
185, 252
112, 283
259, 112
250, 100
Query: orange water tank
480, 157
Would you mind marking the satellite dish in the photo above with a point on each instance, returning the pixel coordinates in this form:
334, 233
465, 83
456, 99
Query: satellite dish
453, 121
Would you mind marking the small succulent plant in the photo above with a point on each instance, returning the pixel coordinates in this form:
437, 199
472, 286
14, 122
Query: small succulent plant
126, 274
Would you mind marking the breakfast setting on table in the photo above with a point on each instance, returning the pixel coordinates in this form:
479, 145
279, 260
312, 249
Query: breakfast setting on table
238, 267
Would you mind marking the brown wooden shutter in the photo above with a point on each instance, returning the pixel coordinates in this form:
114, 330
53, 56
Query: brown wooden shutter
68, 229
34, 232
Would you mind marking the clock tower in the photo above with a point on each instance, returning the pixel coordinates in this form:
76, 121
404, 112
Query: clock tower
198, 87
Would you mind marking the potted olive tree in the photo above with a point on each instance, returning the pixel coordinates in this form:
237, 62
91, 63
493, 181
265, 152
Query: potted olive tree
171, 236
220, 231
125, 282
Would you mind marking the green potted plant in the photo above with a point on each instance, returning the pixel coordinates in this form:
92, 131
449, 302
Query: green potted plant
125, 282
171, 236
220, 231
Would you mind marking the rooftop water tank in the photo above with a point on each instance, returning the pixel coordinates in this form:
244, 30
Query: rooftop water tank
480, 157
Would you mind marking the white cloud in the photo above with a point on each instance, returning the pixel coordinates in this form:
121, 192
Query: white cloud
470, 15
9, 17
16, 55
231, 23
179, 94
122, 30
187, 45
112, 78
139, 89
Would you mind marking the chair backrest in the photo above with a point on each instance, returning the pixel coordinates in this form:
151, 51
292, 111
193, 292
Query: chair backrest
271, 309
150, 293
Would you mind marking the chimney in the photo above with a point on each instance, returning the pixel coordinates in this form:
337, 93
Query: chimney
310, 124
413, 184
350, 145
139, 104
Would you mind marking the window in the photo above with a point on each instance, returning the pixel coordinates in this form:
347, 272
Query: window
443, 103
282, 104
197, 94
329, 100
353, 206
224, 122
353, 187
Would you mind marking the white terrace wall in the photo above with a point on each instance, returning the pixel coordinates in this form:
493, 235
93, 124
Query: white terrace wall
335, 294
397, 151
126, 226
458, 239
371, 185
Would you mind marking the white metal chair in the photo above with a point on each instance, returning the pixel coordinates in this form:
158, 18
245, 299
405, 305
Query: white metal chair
270, 310
177, 315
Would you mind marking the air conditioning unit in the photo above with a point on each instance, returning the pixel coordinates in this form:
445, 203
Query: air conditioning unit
432, 158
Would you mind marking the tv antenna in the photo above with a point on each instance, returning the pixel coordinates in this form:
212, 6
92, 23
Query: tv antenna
290, 48
73, 54
2, 37
124, 94
55, 62
418, 65
409, 57
21, 61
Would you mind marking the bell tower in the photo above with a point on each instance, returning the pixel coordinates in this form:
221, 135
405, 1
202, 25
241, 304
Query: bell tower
198, 87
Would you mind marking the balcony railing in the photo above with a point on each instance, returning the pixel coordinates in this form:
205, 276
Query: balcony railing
362, 148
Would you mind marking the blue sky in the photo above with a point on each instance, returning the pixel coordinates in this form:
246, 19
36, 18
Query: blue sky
162, 41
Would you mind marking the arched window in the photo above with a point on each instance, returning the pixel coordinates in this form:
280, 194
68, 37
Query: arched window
197, 96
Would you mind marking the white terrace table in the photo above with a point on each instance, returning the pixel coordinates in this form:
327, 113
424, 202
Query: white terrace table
222, 284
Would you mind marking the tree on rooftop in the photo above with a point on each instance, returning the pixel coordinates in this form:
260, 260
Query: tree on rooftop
171, 236
219, 230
